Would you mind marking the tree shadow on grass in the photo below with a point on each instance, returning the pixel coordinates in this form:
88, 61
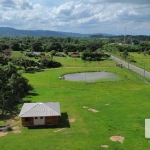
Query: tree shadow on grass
34, 71
31, 94
9, 115
63, 123
14, 111
6, 117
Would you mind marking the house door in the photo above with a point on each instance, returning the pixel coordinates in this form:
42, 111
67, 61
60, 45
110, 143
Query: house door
39, 120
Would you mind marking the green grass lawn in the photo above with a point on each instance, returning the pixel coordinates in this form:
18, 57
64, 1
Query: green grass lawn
142, 60
129, 105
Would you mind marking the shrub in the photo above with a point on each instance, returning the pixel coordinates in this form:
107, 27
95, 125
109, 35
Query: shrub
48, 63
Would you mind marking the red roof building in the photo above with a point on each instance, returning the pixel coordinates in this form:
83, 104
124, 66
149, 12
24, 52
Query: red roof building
7, 52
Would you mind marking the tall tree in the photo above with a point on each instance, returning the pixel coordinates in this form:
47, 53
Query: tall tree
13, 88
14, 45
37, 46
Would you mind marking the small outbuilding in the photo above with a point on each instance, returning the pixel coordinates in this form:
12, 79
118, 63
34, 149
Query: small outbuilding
35, 54
60, 54
40, 113
74, 55
7, 52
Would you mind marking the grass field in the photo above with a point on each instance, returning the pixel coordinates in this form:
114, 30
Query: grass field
142, 60
129, 106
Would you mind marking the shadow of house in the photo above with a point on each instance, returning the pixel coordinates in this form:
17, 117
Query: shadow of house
63, 121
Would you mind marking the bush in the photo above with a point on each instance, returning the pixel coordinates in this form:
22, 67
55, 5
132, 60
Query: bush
48, 63
53, 52
94, 56
30, 69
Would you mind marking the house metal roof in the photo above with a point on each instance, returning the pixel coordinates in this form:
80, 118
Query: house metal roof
40, 109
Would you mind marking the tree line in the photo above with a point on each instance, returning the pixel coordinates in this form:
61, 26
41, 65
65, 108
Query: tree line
47, 44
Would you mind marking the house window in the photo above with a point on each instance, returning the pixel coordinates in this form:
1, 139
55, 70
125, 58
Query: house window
41, 117
35, 117
27, 119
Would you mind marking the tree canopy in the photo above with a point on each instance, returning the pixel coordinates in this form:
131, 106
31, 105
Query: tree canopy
13, 88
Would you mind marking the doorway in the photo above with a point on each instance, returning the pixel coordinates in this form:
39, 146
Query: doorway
39, 120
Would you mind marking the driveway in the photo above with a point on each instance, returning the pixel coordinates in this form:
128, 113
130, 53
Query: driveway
132, 67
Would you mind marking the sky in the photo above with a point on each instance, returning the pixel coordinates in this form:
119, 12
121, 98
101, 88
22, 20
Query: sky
117, 17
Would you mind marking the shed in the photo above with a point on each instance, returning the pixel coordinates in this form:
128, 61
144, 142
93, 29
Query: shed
40, 113
35, 54
60, 54
7, 52
74, 55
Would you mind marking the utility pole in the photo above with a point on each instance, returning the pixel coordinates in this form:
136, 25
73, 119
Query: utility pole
125, 35
144, 69
128, 63
131, 39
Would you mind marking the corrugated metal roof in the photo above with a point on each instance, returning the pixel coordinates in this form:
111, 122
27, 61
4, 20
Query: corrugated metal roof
40, 109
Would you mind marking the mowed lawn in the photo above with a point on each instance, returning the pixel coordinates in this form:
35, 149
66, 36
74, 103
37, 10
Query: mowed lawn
123, 106
142, 61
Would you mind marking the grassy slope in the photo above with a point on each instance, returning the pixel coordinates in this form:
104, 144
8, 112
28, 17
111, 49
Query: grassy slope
129, 106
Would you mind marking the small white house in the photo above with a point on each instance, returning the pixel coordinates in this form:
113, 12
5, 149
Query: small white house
40, 113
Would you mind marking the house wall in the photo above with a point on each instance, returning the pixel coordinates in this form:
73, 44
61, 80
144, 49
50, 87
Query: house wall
27, 121
51, 120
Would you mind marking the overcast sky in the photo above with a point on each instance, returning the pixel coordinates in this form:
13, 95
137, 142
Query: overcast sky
80, 16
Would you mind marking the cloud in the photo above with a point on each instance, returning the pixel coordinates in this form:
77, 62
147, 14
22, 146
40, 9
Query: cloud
85, 16
26, 5
137, 14
65, 9
15, 4
7, 3
118, 1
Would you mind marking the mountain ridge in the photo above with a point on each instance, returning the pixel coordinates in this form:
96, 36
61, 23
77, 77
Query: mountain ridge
9, 31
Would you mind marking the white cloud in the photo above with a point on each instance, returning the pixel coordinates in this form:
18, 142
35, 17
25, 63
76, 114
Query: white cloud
85, 16
128, 1
15, 4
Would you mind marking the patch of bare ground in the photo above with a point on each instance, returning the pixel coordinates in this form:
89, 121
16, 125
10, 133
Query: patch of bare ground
16, 129
117, 138
93, 110
85, 107
59, 130
71, 120
3, 133
13, 121
104, 146
106, 104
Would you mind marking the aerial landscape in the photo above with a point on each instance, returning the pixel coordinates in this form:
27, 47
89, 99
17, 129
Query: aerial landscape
74, 75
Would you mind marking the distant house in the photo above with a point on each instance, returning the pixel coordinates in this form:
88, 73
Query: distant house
74, 55
7, 52
35, 54
40, 113
60, 54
